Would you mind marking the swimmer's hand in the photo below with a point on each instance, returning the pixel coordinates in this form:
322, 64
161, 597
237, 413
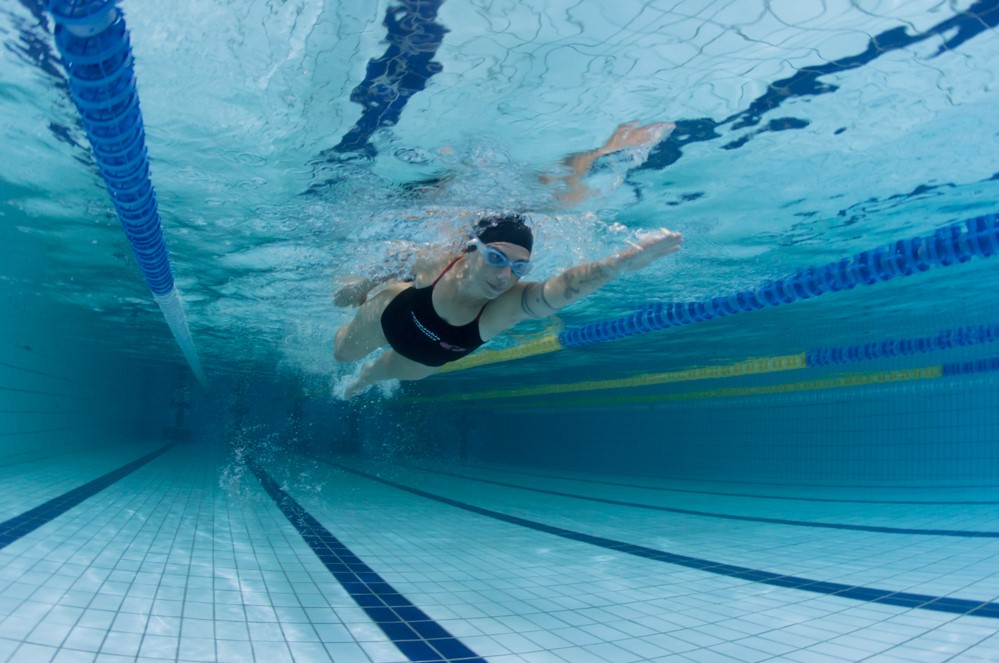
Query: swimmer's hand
353, 291
631, 135
649, 248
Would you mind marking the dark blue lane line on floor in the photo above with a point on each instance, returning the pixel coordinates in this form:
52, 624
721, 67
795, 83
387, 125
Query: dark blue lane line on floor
858, 593
18, 526
787, 498
411, 630
727, 516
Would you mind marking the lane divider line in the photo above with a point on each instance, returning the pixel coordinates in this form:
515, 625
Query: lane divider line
19, 526
845, 380
416, 634
953, 244
756, 496
946, 339
969, 607
725, 516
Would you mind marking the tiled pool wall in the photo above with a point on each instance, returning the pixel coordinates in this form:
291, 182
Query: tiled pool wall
946, 433
58, 397
938, 429
62, 392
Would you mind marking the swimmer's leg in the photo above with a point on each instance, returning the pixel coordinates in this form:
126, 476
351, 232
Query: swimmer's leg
389, 366
363, 335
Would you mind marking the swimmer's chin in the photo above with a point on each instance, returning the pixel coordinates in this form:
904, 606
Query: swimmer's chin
496, 290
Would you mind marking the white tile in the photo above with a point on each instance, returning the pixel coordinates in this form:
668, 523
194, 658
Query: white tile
309, 652
197, 649
48, 633
299, 633
122, 644
73, 656
159, 646
234, 651
347, 652
197, 628
276, 652
33, 652
7, 647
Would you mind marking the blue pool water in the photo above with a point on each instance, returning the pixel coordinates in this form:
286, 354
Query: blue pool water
780, 444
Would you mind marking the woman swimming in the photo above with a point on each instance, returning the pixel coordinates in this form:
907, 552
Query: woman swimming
457, 303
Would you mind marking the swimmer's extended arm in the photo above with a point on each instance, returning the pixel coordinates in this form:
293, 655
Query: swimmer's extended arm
540, 300
578, 165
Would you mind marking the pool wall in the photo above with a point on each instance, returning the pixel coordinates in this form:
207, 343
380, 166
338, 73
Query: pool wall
909, 433
62, 391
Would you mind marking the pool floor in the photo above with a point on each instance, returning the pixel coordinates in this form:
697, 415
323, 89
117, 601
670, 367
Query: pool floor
185, 554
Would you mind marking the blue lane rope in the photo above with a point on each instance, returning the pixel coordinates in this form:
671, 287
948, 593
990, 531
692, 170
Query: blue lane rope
969, 367
900, 347
96, 51
950, 245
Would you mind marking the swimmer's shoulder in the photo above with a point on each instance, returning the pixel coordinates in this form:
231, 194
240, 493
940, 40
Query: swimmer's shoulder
427, 267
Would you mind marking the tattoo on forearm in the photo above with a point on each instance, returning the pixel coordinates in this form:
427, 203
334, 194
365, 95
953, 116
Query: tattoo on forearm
571, 291
541, 291
534, 293
525, 302
588, 278
594, 272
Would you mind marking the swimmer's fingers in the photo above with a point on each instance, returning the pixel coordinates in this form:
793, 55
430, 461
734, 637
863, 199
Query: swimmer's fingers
620, 138
664, 241
650, 247
624, 129
660, 235
660, 131
632, 135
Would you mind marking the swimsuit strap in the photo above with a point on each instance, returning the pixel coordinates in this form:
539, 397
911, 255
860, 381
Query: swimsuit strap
446, 270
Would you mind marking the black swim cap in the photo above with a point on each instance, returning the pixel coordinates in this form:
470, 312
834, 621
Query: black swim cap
510, 229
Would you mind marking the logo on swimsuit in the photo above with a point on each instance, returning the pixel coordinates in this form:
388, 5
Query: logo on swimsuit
434, 337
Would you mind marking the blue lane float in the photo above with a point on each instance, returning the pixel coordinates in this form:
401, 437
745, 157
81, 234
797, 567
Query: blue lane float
968, 367
93, 40
951, 245
958, 337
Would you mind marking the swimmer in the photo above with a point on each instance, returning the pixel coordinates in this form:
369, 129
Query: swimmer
568, 188
455, 304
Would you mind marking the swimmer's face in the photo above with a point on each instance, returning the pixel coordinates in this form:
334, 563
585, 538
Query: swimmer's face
497, 265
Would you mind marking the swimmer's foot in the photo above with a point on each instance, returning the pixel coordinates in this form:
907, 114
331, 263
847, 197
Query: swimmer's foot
352, 385
355, 388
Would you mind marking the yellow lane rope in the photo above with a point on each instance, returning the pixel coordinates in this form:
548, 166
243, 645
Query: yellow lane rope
749, 367
538, 347
838, 382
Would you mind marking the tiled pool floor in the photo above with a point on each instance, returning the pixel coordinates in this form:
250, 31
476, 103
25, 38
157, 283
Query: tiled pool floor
191, 556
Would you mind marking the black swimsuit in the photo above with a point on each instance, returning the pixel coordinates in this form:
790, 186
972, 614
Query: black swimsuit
415, 330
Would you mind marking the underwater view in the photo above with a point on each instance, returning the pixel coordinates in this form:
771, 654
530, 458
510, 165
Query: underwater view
454, 331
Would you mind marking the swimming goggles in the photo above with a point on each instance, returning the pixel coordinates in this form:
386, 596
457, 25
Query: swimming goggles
499, 260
